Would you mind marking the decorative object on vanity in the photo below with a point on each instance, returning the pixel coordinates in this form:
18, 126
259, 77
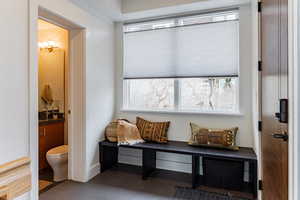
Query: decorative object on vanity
49, 115
47, 96
153, 131
218, 138
15, 178
123, 132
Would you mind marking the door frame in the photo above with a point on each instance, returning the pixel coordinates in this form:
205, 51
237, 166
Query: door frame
76, 121
294, 92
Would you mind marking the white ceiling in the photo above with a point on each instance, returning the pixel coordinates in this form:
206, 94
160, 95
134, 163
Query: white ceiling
139, 5
124, 10
100, 8
137, 9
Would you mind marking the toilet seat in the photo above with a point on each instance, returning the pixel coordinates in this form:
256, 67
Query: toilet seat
58, 151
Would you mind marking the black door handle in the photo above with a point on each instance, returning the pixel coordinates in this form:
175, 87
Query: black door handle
283, 137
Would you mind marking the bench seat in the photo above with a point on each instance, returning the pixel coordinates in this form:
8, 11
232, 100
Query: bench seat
182, 148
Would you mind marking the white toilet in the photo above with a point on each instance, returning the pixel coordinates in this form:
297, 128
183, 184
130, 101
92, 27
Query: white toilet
58, 160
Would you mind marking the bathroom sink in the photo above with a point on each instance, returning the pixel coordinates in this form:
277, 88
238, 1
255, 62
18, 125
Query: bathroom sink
51, 121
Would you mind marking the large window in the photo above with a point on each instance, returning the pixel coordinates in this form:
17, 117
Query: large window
183, 64
150, 94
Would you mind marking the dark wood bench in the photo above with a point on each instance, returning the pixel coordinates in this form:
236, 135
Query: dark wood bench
221, 168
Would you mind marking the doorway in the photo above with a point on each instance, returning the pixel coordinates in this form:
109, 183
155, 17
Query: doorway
53, 96
76, 94
275, 96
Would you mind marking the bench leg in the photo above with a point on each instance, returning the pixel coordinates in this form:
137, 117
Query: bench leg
108, 157
195, 170
253, 176
149, 162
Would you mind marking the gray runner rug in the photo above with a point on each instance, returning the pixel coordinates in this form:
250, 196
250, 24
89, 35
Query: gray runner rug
183, 193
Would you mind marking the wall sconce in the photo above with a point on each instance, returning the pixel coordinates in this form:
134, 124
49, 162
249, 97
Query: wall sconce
50, 45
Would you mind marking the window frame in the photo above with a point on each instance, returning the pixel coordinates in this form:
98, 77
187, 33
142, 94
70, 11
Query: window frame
177, 91
177, 97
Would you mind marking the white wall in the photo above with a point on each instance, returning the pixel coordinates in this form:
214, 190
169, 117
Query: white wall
297, 165
14, 76
179, 129
13, 80
14, 129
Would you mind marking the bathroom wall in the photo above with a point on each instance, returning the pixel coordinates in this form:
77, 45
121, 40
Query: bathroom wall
48, 31
51, 72
52, 65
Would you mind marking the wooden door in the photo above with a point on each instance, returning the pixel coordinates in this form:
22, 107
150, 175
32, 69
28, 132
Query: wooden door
274, 42
42, 148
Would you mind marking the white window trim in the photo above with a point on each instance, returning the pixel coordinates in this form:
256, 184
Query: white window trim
176, 109
132, 110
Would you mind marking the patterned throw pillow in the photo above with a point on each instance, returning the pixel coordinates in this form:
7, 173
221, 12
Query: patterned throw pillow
219, 138
153, 131
111, 130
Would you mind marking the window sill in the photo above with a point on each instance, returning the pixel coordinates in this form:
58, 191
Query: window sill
237, 114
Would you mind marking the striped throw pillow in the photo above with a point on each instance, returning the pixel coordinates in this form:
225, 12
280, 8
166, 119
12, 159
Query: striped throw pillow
153, 131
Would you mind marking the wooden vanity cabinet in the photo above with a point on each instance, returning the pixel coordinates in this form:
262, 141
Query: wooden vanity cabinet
50, 136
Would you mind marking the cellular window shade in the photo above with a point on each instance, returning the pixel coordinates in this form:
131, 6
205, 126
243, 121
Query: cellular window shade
179, 50
149, 54
208, 50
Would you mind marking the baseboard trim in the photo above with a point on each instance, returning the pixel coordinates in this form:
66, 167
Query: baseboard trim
94, 171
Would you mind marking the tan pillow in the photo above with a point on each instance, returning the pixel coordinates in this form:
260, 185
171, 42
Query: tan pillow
128, 134
111, 130
153, 131
219, 138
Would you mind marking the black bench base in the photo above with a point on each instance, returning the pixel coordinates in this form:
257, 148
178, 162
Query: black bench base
221, 168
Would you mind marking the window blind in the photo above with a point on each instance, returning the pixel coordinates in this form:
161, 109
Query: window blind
196, 46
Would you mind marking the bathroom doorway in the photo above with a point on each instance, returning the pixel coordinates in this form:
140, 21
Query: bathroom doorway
75, 114
53, 103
